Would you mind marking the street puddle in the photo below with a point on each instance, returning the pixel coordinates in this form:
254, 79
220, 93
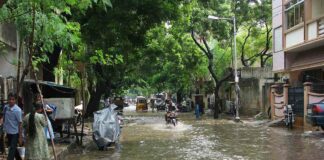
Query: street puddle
180, 127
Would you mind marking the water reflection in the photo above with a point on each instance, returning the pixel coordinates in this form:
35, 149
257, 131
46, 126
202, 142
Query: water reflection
146, 136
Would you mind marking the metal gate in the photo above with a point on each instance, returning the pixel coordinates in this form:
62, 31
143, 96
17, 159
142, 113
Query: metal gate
296, 97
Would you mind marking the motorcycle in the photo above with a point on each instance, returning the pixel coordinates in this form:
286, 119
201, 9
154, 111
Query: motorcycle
78, 114
171, 118
289, 116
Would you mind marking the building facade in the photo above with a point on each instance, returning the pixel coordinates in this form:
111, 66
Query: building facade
298, 40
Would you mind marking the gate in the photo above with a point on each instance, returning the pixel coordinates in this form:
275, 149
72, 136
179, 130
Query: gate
318, 87
296, 97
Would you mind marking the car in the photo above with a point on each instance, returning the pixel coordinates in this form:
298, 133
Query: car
159, 104
315, 114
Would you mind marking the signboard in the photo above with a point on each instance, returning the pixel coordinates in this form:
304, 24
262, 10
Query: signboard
65, 107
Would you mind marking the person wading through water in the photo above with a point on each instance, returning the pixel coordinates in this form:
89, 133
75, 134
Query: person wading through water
36, 143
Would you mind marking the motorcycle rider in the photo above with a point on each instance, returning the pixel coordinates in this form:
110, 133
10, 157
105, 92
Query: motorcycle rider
169, 107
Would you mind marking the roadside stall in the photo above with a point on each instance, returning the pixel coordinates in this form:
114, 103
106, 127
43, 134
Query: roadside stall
60, 96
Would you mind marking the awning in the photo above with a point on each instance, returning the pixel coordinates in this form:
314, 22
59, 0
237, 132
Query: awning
51, 89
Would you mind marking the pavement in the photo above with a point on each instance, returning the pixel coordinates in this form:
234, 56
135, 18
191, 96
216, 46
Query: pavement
64, 145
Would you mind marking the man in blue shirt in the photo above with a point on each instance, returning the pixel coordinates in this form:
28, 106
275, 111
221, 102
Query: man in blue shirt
12, 126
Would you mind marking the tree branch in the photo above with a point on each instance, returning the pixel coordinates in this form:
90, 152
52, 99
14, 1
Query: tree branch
243, 60
227, 77
210, 60
267, 47
196, 42
210, 55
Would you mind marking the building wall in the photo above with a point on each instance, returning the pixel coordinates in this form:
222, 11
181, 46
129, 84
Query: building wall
317, 8
276, 13
278, 54
8, 54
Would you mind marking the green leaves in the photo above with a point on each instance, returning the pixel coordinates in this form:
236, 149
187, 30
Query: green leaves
37, 60
105, 59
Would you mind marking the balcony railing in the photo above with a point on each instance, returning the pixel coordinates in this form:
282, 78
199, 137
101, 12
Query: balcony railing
315, 28
320, 27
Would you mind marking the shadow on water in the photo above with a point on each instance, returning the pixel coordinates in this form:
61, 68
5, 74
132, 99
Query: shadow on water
146, 137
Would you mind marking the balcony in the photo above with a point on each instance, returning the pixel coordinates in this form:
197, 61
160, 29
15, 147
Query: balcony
315, 29
314, 36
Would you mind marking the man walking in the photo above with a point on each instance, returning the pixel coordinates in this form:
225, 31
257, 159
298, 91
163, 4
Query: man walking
12, 126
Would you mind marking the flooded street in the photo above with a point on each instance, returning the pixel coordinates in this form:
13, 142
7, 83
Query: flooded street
145, 136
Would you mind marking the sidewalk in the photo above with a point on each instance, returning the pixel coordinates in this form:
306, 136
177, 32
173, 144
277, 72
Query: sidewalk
64, 145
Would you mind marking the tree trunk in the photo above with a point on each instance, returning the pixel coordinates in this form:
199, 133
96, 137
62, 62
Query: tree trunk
179, 96
95, 98
217, 104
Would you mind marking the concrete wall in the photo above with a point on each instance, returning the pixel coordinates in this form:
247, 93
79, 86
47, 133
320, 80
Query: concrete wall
255, 84
8, 54
8, 35
250, 96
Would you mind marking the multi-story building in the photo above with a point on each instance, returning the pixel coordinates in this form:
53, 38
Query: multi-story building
298, 39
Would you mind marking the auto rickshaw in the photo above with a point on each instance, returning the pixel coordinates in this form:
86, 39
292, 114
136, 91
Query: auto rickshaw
141, 104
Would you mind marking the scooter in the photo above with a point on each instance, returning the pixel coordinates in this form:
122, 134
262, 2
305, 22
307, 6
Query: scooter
289, 116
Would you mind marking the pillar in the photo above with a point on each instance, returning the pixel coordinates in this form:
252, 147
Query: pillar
272, 100
307, 89
285, 93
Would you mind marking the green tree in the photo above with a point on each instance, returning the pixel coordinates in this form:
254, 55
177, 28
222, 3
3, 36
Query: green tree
202, 30
43, 25
114, 38
171, 59
255, 38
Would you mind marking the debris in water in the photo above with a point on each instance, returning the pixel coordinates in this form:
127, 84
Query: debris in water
307, 133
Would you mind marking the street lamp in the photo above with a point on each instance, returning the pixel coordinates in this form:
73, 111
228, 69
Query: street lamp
237, 88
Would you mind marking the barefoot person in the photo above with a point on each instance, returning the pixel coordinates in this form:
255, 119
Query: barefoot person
36, 143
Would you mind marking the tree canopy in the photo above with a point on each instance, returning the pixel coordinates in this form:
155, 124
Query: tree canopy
162, 45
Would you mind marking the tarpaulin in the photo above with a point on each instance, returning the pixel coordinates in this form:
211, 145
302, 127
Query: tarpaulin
106, 127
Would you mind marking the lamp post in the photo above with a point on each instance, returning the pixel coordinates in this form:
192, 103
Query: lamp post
237, 88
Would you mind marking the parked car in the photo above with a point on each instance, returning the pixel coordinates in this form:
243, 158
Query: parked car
315, 114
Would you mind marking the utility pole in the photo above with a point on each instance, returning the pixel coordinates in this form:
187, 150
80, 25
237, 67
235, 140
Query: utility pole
236, 79
237, 87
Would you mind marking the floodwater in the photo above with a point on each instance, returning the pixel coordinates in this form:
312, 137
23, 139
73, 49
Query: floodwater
147, 137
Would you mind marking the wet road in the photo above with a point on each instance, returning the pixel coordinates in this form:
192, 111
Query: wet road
146, 137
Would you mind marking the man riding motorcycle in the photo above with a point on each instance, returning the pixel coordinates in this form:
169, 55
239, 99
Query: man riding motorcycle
170, 111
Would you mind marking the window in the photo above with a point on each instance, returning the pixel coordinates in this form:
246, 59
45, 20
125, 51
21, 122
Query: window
294, 11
